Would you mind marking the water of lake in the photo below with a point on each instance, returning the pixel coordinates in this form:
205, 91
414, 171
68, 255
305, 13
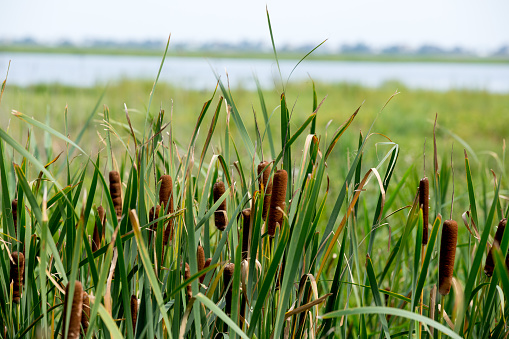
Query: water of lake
88, 70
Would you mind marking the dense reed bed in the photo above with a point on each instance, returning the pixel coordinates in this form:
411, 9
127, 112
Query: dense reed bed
247, 232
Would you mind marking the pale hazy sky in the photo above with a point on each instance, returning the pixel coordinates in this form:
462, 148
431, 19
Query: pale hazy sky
479, 25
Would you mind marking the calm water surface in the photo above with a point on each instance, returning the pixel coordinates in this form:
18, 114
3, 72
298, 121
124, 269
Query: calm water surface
88, 70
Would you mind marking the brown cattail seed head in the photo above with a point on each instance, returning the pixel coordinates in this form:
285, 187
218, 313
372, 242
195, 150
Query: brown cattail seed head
98, 236
277, 200
76, 311
116, 192
17, 273
200, 256
85, 314
15, 215
153, 214
246, 214
166, 201
207, 264
424, 203
220, 220
267, 185
227, 277
134, 311
447, 256
490, 263
218, 190
187, 275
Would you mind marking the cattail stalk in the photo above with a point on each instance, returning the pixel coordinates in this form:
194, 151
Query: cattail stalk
277, 201
220, 216
85, 314
17, 273
166, 201
266, 185
246, 214
424, 203
227, 278
489, 266
134, 311
447, 256
200, 257
14, 206
73, 331
116, 193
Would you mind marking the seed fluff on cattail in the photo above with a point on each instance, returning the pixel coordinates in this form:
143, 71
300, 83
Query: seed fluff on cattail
17, 274
489, 266
73, 331
277, 201
116, 193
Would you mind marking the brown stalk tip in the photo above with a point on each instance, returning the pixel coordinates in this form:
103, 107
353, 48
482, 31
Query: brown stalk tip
116, 192
246, 214
489, 266
200, 256
447, 256
134, 311
218, 190
102, 217
17, 273
277, 200
14, 206
424, 203
220, 219
187, 275
76, 310
263, 179
229, 269
85, 314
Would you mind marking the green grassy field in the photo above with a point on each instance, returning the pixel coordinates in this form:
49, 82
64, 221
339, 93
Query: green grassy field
339, 254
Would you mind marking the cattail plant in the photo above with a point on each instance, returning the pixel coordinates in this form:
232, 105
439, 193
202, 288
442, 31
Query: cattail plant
134, 311
277, 201
424, 204
200, 257
85, 314
98, 236
265, 184
246, 214
220, 217
207, 264
166, 201
116, 193
17, 273
73, 331
229, 269
14, 206
447, 256
187, 275
153, 214
490, 263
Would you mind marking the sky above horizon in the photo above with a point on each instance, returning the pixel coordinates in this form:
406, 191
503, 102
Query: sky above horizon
481, 26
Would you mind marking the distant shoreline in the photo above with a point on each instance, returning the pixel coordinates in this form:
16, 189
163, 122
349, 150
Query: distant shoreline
253, 54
